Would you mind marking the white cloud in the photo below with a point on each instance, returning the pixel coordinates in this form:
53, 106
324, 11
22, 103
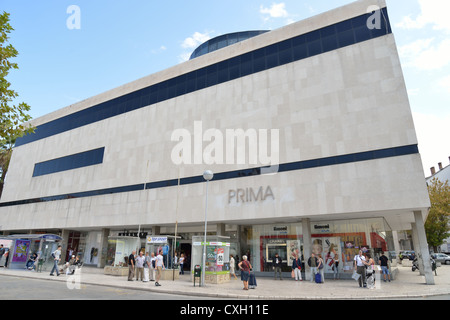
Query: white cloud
433, 12
195, 40
426, 54
445, 83
191, 43
184, 57
432, 133
159, 50
276, 10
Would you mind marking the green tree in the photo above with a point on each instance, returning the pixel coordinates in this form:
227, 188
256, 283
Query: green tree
13, 117
437, 224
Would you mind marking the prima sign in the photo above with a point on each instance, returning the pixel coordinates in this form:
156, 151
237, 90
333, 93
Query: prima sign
250, 195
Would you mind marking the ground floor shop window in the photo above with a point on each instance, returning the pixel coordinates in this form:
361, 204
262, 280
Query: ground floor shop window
335, 241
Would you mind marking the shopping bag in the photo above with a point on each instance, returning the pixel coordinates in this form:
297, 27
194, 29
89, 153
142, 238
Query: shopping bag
356, 276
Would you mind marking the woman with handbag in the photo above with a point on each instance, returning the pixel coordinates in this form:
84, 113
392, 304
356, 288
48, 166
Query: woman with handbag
297, 269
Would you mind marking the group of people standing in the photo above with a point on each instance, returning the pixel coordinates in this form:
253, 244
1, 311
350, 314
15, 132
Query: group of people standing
364, 266
149, 267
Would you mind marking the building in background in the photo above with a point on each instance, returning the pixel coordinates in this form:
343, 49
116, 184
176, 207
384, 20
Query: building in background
348, 169
443, 174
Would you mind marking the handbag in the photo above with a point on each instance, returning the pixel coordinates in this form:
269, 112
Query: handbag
356, 275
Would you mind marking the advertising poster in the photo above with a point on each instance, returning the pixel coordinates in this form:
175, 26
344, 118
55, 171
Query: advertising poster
21, 251
220, 257
329, 249
293, 250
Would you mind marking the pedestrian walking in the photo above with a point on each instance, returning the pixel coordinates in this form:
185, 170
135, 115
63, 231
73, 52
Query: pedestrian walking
159, 267
276, 264
313, 263
56, 258
384, 263
233, 267
245, 268
140, 260
131, 265
360, 268
297, 269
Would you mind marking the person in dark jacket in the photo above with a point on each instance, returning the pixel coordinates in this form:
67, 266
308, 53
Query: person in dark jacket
276, 264
313, 263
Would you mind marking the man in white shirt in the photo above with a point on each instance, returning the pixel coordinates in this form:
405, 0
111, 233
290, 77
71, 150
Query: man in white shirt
140, 266
360, 268
56, 258
159, 267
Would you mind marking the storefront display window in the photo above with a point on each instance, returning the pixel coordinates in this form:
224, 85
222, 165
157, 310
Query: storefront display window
164, 244
332, 240
119, 249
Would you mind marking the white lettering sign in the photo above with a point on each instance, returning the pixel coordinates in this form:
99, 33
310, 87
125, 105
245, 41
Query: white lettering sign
250, 195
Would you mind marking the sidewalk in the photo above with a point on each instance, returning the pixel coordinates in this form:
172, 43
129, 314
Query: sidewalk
407, 285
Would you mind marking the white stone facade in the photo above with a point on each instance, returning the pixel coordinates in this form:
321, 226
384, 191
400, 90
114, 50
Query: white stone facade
346, 101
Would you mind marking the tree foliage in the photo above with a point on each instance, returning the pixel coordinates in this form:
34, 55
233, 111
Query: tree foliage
437, 224
13, 117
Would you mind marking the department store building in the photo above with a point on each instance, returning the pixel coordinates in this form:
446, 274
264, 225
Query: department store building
329, 88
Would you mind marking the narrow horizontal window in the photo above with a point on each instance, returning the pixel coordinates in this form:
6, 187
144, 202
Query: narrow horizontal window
74, 161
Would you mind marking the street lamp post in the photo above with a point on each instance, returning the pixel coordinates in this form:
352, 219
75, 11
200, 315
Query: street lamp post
207, 175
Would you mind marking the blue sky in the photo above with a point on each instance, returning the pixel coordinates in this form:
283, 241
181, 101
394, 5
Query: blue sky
121, 41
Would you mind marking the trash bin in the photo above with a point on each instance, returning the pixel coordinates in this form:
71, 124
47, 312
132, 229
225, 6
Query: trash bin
197, 273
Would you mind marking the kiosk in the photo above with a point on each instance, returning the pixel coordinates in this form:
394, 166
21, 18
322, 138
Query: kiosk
119, 249
217, 269
24, 245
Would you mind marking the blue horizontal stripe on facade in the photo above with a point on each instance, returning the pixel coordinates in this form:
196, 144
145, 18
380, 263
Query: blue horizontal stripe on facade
74, 161
307, 45
286, 167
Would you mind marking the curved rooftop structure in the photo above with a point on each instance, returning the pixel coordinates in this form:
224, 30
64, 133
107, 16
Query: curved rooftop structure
224, 41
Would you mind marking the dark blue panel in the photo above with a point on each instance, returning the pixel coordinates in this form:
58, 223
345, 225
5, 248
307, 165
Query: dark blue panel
272, 61
246, 64
329, 43
346, 38
362, 34
74, 161
314, 48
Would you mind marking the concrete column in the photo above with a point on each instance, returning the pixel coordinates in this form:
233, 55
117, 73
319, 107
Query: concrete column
396, 242
416, 245
306, 230
423, 244
156, 230
64, 243
220, 229
103, 248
